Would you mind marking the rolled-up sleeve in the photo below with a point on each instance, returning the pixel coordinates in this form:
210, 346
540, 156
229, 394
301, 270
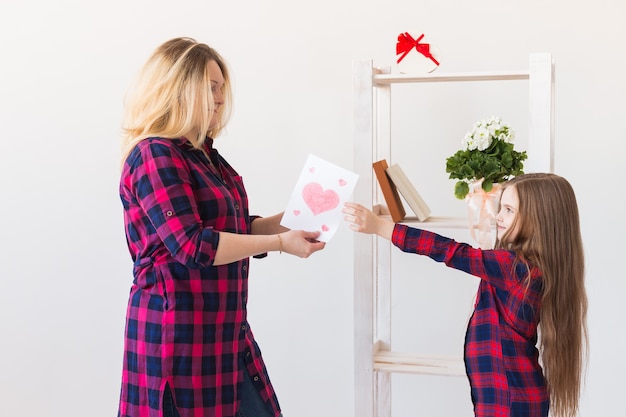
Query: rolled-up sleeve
159, 178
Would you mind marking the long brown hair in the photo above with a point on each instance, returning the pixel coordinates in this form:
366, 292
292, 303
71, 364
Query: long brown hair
172, 96
548, 236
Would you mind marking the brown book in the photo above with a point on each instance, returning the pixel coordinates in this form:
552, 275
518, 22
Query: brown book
392, 198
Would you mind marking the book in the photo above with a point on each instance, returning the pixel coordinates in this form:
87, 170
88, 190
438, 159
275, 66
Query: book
408, 191
390, 193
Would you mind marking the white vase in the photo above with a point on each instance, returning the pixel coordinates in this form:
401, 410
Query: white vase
482, 209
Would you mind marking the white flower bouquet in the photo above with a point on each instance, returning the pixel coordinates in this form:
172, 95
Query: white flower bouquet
487, 155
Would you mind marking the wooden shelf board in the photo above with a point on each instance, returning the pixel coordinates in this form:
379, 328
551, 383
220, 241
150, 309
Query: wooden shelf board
436, 222
382, 79
410, 363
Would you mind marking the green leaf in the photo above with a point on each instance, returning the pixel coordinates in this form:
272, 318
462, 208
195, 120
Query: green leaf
507, 159
461, 189
487, 185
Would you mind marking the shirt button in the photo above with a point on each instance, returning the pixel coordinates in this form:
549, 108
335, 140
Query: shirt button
256, 378
248, 354
245, 268
169, 213
243, 327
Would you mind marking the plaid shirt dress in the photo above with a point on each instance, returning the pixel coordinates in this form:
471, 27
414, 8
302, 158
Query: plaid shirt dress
501, 358
186, 319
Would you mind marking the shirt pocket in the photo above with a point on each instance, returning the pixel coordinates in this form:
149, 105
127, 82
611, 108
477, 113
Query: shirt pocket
150, 278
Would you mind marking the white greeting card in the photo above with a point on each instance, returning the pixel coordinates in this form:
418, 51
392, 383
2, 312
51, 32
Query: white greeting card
318, 197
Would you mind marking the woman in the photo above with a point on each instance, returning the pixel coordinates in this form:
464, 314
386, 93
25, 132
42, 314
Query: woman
188, 347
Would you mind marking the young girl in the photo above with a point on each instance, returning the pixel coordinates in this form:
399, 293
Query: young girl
534, 275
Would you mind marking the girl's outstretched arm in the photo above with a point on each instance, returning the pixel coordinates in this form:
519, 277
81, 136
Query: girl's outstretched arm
365, 221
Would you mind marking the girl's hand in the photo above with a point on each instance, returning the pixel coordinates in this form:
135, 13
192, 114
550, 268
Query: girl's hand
365, 221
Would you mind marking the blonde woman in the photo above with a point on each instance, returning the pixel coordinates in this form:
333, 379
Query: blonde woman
189, 349
531, 289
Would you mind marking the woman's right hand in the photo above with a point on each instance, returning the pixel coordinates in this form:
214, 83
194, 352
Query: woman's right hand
300, 243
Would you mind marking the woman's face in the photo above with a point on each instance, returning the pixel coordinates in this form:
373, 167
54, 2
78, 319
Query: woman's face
509, 204
217, 85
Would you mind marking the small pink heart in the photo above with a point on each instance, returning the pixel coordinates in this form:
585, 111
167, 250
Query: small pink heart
342, 182
325, 228
296, 212
312, 170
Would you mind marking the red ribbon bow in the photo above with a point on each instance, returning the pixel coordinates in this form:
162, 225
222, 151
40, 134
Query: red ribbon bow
406, 43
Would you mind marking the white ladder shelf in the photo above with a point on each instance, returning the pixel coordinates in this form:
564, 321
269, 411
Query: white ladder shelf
375, 360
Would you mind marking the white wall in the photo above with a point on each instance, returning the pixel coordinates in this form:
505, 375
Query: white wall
64, 268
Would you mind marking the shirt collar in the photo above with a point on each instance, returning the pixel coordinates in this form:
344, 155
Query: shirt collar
183, 141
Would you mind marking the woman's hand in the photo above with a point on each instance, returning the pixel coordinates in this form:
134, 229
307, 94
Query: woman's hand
300, 243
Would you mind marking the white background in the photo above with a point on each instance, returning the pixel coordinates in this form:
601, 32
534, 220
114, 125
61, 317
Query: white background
64, 268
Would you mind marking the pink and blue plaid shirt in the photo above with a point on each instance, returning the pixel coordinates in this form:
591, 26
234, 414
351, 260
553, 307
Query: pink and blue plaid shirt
186, 319
501, 358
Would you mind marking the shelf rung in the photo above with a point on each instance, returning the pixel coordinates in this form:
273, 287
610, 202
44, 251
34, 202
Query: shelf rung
433, 77
439, 221
434, 222
408, 363
443, 222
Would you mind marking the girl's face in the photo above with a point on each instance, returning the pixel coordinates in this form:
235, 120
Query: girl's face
509, 204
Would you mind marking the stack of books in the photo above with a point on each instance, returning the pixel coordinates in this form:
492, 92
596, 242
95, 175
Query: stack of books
393, 183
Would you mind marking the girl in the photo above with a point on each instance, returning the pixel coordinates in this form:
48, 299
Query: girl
534, 275
188, 347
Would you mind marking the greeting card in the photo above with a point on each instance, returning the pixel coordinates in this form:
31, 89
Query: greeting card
318, 197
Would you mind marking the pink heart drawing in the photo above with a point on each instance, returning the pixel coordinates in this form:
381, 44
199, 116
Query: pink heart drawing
296, 212
318, 199
325, 228
312, 170
342, 182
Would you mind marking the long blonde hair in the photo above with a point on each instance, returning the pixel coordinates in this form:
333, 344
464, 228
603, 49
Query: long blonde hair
548, 235
172, 96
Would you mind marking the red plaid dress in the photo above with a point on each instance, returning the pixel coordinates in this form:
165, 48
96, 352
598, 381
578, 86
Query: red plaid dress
501, 357
186, 319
